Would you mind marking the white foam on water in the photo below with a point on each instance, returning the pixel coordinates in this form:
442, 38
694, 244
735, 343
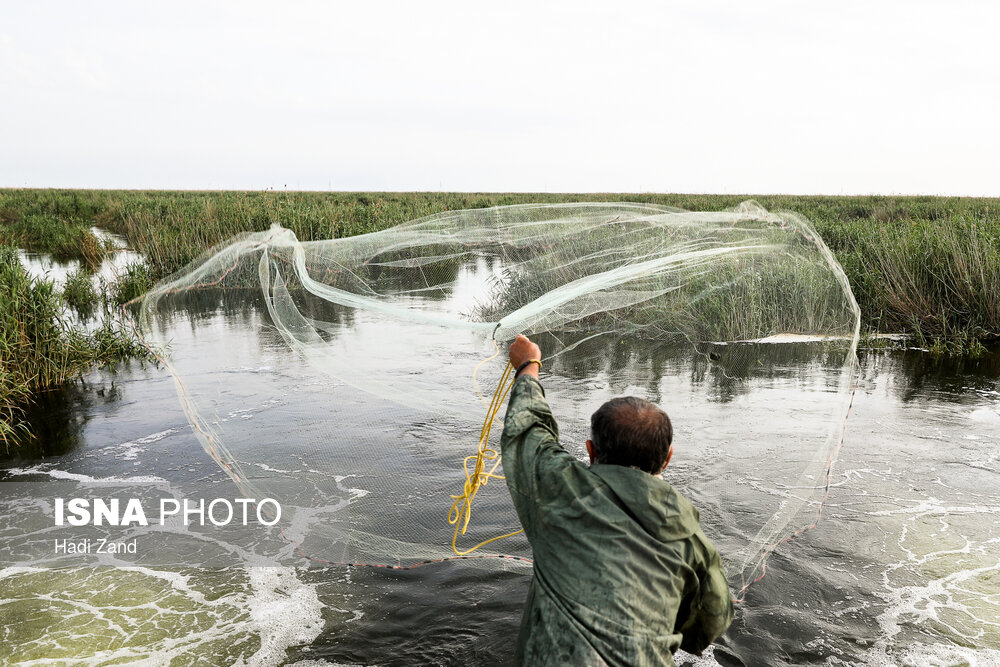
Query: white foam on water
284, 611
986, 414
933, 655
264, 466
273, 606
940, 655
933, 506
706, 659
129, 451
355, 493
944, 588
55, 473
15, 570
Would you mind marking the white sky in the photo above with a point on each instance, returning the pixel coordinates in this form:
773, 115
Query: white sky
892, 96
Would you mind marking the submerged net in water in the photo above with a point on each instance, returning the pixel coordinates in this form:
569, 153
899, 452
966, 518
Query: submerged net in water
357, 371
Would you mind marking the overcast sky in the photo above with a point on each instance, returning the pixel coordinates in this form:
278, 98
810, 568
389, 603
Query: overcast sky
898, 96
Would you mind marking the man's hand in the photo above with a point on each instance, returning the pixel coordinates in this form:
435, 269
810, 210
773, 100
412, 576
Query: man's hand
521, 350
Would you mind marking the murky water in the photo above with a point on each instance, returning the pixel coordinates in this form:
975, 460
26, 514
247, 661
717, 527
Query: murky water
903, 569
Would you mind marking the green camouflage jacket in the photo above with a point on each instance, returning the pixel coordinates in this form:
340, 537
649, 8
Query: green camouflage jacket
623, 574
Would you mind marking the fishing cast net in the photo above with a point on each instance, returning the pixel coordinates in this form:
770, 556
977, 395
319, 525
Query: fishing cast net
349, 378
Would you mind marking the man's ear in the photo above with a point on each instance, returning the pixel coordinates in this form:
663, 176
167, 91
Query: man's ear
590, 451
670, 454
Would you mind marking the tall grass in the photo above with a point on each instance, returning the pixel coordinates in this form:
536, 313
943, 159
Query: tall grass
134, 281
39, 350
920, 265
939, 281
79, 292
56, 222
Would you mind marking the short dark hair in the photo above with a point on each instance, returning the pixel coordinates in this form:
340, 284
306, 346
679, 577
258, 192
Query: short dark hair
630, 431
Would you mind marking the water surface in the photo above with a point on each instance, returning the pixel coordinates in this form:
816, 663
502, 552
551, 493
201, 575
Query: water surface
903, 568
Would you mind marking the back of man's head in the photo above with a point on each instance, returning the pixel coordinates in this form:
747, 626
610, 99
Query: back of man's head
630, 431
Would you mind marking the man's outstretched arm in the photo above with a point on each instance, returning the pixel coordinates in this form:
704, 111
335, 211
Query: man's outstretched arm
532, 455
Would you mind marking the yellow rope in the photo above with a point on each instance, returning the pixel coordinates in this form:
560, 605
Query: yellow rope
461, 509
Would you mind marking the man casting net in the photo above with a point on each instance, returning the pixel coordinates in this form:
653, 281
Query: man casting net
378, 357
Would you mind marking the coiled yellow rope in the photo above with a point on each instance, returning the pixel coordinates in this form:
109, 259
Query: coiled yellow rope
461, 509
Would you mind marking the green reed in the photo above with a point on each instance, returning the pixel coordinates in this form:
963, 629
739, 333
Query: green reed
79, 292
39, 348
927, 266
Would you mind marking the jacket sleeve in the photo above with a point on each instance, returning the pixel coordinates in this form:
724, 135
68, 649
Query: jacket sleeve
534, 463
711, 610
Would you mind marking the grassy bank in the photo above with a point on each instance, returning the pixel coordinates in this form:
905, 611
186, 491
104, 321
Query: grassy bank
56, 222
39, 350
929, 266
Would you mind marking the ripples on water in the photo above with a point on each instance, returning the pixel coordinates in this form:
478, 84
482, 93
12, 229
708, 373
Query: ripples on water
904, 568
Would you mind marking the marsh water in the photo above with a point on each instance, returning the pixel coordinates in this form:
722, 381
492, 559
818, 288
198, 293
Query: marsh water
902, 569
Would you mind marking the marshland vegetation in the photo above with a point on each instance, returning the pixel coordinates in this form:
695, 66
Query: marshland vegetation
925, 266
40, 348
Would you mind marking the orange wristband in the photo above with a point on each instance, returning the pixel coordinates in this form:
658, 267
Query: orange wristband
525, 365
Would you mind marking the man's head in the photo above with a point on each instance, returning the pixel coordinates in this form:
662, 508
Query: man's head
630, 431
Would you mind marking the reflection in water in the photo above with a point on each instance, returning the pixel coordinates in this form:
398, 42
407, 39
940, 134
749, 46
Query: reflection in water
903, 568
337, 414
920, 374
57, 419
42, 265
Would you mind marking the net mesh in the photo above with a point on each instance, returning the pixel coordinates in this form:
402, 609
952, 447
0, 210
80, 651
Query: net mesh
357, 371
